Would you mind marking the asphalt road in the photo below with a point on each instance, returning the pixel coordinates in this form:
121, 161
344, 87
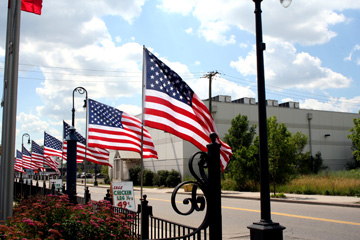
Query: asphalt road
302, 221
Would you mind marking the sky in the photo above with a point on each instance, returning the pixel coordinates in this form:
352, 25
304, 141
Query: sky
312, 54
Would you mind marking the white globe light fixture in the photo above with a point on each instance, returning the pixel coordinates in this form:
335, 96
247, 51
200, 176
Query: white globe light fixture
285, 3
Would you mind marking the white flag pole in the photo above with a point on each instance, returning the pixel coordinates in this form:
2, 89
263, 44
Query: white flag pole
9, 109
142, 123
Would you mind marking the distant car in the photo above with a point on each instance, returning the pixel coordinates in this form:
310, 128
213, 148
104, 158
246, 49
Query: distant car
88, 175
100, 175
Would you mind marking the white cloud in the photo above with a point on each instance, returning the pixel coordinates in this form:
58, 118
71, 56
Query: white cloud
350, 57
31, 122
306, 23
130, 109
215, 32
183, 7
333, 104
221, 86
287, 68
189, 30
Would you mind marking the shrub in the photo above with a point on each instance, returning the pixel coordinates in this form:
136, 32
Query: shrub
173, 179
229, 184
134, 174
53, 217
148, 177
162, 176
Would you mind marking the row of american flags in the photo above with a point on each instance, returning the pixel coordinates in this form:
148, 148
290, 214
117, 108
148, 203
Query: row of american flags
169, 105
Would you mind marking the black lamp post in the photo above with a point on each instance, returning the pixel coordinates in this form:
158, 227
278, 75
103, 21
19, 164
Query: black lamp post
80, 90
22, 147
266, 228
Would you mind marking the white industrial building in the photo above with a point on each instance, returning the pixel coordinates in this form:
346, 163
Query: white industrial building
327, 132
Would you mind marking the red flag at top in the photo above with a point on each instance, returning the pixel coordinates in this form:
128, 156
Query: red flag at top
33, 6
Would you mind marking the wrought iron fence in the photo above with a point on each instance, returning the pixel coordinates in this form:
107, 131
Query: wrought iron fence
133, 220
165, 229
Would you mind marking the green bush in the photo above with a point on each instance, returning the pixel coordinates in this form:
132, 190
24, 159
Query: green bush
162, 176
134, 174
229, 184
148, 177
173, 179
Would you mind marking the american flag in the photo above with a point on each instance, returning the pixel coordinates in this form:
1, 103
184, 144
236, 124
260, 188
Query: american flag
37, 154
49, 161
18, 162
92, 154
26, 160
52, 146
172, 106
111, 128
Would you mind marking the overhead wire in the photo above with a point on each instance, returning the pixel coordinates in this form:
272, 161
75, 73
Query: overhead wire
275, 90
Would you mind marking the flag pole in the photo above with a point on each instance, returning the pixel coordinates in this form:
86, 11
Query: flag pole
9, 109
142, 123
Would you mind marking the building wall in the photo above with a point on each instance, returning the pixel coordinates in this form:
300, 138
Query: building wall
335, 147
329, 132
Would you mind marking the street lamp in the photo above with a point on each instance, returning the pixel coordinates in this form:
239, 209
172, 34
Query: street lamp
80, 90
22, 149
266, 228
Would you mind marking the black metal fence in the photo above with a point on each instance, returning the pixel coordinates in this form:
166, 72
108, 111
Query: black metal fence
165, 229
143, 225
153, 227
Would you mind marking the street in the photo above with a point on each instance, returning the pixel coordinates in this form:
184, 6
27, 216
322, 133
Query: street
302, 221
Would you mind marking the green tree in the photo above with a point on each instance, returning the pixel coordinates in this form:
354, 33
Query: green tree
355, 138
243, 165
240, 134
282, 152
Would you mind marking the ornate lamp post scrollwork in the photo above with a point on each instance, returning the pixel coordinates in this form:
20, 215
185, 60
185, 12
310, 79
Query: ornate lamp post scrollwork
207, 179
197, 203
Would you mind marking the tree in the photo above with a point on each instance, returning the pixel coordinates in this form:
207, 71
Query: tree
282, 152
243, 165
355, 138
240, 134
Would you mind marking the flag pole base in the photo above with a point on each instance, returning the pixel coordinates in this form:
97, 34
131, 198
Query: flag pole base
266, 230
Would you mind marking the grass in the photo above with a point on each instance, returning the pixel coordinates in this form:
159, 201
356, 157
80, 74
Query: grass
343, 183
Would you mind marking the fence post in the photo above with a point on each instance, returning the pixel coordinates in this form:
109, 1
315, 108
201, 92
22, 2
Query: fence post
146, 211
87, 195
44, 187
108, 196
53, 189
214, 202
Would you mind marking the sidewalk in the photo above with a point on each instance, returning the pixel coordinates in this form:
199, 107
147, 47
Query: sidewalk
341, 201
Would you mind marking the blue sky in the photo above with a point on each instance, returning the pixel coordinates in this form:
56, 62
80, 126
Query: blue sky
312, 55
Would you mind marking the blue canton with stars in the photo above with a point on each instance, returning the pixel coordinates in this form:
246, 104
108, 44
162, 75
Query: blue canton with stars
51, 142
18, 154
104, 115
36, 148
161, 78
80, 138
26, 152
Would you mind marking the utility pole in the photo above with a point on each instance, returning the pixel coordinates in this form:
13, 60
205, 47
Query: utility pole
210, 75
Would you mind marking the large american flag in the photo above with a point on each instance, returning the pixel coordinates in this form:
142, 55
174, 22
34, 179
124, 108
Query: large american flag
52, 146
18, 166
114, 129
92, 154
26, 160
171, 105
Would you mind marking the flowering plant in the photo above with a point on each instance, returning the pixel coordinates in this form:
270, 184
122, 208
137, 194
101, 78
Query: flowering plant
54, 217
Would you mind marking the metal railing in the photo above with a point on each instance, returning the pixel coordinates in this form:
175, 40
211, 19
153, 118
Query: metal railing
133, 220
165, 229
